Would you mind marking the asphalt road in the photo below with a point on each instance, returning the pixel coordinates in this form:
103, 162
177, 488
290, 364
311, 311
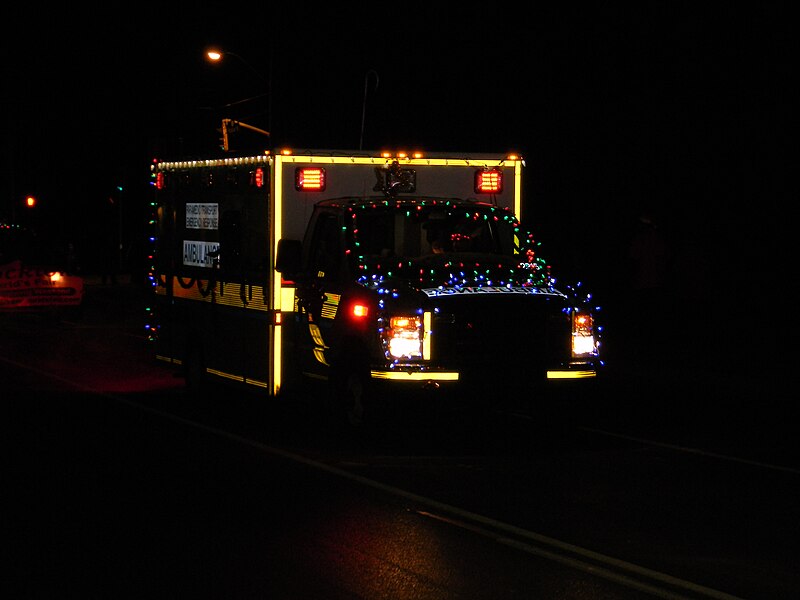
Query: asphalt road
667, 483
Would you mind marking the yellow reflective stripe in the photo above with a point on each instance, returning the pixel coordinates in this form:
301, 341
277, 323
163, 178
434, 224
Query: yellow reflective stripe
287, 299
225, 293
239, 378
426, 335
330, 306
415, 375
570, 374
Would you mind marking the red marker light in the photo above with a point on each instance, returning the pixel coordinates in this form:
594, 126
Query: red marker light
258, 177
488, 181
309, 179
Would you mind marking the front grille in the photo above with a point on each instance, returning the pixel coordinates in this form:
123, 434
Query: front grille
507, 337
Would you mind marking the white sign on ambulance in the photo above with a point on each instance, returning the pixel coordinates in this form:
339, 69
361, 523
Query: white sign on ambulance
202, 215
198, 253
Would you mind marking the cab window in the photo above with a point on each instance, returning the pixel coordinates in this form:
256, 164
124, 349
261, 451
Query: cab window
325, 259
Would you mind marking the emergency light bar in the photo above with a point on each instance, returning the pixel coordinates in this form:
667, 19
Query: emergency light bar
309, 179
488, 181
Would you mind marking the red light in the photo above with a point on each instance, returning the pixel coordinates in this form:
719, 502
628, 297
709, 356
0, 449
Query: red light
309, 179
489, 181
160, 180
360, 310
259, 177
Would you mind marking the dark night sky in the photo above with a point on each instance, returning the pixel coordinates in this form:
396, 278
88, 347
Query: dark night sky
656, 106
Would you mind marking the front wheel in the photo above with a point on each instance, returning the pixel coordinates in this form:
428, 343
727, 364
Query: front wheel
351, 387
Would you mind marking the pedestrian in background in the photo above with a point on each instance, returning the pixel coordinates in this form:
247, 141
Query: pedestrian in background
650, 312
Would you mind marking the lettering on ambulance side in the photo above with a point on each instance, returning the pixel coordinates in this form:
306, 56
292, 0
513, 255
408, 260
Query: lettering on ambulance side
198, 253
202, 215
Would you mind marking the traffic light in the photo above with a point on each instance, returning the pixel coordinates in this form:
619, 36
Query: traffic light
229, 126
30, 201
224, 139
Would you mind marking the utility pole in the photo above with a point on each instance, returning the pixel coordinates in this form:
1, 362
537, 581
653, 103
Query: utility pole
364, 105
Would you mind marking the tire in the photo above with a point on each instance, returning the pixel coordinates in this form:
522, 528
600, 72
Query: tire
194, 368
351, 393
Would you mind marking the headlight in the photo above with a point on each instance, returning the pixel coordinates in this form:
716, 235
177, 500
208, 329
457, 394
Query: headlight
583, 342
404, 337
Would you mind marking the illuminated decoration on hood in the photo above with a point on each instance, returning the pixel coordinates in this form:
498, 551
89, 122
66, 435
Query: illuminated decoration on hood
489, 289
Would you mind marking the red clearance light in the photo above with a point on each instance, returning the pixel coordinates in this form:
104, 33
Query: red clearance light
258, 177
488, 181
360, 310
309, 179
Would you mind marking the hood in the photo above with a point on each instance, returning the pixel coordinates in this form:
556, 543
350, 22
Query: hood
438, 275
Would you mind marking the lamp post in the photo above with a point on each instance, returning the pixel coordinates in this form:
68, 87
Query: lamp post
120, 238
215, 55
364, 104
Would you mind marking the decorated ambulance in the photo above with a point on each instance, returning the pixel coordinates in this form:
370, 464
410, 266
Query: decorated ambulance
364, 276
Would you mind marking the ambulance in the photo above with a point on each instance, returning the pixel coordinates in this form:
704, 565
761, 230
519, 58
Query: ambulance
362, 278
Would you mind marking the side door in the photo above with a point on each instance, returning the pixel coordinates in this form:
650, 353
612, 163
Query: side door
320, 291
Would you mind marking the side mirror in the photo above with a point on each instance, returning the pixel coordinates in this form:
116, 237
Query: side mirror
289, 256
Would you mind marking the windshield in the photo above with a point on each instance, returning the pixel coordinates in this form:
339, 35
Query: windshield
433, 229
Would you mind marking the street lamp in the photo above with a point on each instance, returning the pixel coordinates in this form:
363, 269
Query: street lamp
215, 55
